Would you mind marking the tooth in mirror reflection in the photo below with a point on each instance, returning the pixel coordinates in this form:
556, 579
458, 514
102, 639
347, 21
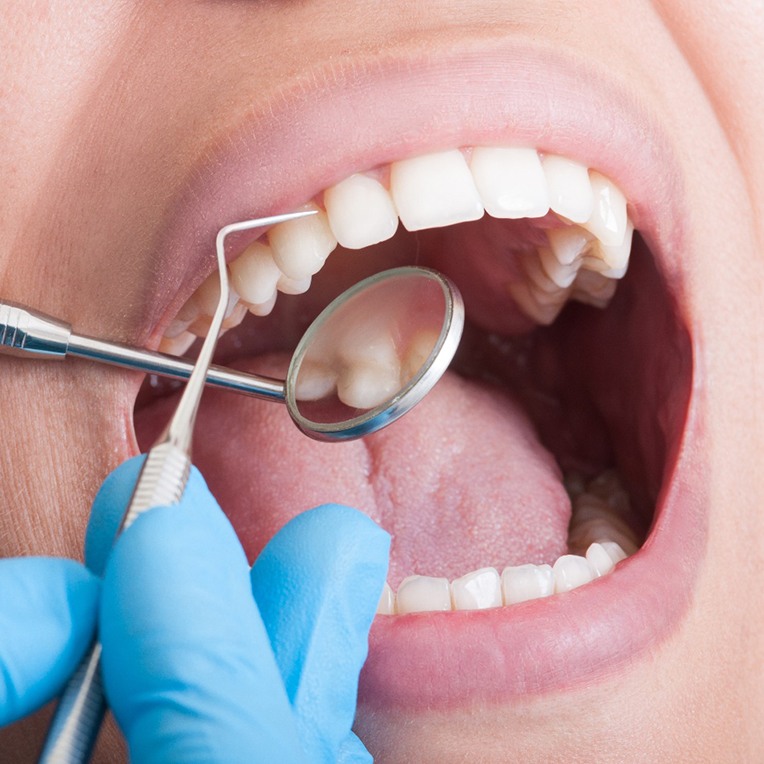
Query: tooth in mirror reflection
375, 352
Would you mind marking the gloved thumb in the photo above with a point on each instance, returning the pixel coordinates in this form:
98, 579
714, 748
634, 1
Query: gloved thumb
317, 585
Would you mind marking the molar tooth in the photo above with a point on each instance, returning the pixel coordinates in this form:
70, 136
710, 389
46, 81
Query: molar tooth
360, 212
365, 385
386, 604
254, 274
608, 219
570, 572
520, 583
593, 288
300, 247
420, 594
570, 191
434, 190
599, 558
478, 590
315, 381
417, 352
510, 181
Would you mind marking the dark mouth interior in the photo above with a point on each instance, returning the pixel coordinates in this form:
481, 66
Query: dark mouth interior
605, 388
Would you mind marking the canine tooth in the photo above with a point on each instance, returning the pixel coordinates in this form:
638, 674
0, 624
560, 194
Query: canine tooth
285, 285
366, 385
177, 345
420, 594
300, 247
478, 590
520, 583
360, 212
570, 191
434, 190
562, 275
570, 572
386, 604
510, 181
616, 258
608, 219
599, 558
569, 243
254, 274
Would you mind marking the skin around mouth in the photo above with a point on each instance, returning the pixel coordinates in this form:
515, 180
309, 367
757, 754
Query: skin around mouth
659, 660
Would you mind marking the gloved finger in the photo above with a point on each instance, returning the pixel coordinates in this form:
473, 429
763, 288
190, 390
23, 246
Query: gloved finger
187, 663
317, 584
353, 751
109, 506
48, 613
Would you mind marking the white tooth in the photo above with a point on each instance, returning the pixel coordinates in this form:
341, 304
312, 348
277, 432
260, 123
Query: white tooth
562, 275
569, 243
614, 550
520, 583
593, 288
263, 308
365, 385
176, 345
208, 294
176, 328
420, 594
254, 274
300, 247
615, 258
532, 305
315, 381
602, 563
510, 181
570, 191
570, 572
286, 285
478, 590
386, 604
418, 351
608, 219
235, 317
360, 212
434, 190
366, 341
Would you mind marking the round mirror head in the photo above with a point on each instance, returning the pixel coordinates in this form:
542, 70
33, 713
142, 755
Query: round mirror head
374, 353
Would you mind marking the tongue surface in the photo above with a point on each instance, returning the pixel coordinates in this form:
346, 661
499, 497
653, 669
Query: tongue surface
461, 482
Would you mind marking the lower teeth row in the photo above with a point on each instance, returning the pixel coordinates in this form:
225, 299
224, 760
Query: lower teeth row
597, 513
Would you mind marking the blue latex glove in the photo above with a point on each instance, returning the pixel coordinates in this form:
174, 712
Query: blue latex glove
48, 613
194, 670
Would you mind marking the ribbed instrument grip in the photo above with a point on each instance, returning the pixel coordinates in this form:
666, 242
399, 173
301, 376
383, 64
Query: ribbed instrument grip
80, 711
25, 331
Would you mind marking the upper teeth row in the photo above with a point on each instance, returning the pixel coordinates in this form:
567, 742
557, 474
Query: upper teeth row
591, 233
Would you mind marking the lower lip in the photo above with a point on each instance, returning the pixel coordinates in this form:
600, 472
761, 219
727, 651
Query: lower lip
446, 660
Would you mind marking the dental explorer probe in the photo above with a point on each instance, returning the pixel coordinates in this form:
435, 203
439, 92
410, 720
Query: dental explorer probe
161, 482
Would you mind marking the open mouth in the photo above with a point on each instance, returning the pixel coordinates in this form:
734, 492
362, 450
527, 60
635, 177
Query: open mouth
539, 538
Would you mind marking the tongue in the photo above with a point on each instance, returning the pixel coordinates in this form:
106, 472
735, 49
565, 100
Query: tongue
461, 482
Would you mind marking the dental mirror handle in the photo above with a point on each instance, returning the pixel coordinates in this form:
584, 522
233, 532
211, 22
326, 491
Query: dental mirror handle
28, 333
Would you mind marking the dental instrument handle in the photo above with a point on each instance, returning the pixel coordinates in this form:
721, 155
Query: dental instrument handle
24, 332
81, 708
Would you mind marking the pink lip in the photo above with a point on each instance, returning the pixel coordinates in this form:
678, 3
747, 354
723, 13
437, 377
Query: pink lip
339, 120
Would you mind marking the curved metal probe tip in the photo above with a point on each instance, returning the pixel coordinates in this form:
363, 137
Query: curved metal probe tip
180, 429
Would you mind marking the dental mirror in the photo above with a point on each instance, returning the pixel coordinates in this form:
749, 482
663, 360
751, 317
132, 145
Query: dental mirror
370, 356
374, 353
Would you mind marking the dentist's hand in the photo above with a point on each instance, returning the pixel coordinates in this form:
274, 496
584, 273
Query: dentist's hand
197, 669
48, 611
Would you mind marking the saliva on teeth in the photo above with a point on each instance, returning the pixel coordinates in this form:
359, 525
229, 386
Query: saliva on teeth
588, 241
606, 541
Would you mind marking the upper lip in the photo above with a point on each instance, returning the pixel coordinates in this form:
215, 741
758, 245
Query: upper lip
341, 118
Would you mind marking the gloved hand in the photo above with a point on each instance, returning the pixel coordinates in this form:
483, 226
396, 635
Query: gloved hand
194, 669
48, 611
